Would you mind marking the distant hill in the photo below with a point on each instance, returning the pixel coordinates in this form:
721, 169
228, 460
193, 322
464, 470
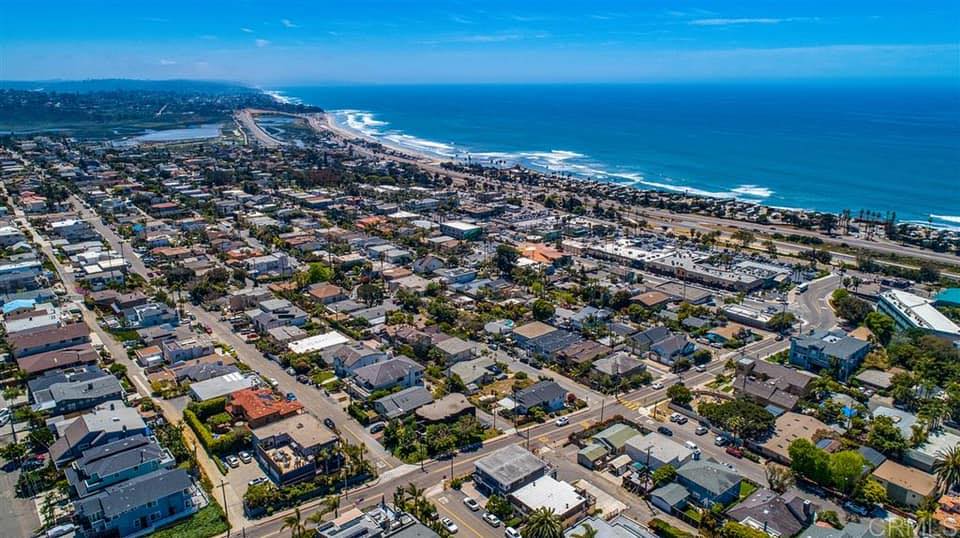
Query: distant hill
123, 84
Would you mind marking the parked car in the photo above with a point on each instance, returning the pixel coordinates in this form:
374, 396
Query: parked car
471, 504
720, 441
674, 417
858, 509
328, 422
303, 379
273, 382
378, 427
562, 421
511, 532
491, 519
232, 461
701, 430
682, 420
291, 371
735, 452
245, 457
258, 480
291, 397
449, 525
665, 431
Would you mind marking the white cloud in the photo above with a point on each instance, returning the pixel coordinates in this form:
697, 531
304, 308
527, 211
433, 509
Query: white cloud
246, 30
287, 23
731, 22
164, 61
262, 43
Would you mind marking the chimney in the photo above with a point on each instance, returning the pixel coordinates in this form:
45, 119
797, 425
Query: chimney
807, 508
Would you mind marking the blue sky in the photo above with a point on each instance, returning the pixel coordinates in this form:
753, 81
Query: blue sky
401, 41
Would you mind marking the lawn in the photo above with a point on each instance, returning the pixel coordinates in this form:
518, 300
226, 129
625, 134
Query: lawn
207, 522
128, 335
746, 489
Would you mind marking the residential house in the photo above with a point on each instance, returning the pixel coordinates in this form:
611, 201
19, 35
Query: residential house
768, 383
905, 486
777, 515
216, 387
150, 315
44, 339
455, 349
114, 462
347, 358
68, 357
61, 392
619, 365
400, 404
614, 438
671, 498
106, 423
446, 410
295, 448
139, 506
258, 407
655, 450
385, 375
546, 395
833, 351
709, 482
327, 293
618, 527
788, 428
175, 351
474, 373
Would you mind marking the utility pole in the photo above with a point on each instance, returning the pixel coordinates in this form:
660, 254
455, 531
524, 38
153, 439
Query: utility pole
603, 402
223, 489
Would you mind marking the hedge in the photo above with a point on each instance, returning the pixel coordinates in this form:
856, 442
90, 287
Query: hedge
204, 410
666, 530
223, 444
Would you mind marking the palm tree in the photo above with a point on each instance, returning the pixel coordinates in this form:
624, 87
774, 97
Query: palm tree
947, 468
330, 503
294, 523
543, 523
587, 532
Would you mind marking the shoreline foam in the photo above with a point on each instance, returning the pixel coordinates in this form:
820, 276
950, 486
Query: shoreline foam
364, 124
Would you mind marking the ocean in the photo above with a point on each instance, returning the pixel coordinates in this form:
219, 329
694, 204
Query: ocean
877, 147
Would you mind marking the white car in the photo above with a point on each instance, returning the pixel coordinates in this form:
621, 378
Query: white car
657, 386
449, 525
232, 461
258, 480
562, 421
511, 532
471, 504
245, 457
491, 519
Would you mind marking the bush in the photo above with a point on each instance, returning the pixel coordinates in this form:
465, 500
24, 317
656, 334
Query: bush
204, 410
666, 530
208, 521
831, 517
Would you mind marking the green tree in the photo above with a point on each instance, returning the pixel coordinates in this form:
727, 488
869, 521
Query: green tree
886, 437
779, 478
543, 309
846, 468
371, 294
295, 524
782, 321
732, 529
809, 461
500, 507
663, 475
871, 491
881, 325
679, 394
947, 468
744, 237
506, 258
543, 523
13, 452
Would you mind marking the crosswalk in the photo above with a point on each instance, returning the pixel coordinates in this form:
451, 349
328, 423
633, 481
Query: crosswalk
633, 406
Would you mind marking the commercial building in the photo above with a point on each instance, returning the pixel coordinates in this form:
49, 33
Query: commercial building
552, 494
507, 470
910, 311
461, 230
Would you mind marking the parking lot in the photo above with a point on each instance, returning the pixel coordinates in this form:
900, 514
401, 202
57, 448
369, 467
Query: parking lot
240, 476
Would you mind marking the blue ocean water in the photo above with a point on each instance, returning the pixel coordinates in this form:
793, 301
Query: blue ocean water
872, 146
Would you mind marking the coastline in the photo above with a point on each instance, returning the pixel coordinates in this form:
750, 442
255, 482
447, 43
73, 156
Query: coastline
399, 145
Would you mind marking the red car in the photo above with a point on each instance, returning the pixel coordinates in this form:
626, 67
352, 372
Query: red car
734, 451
